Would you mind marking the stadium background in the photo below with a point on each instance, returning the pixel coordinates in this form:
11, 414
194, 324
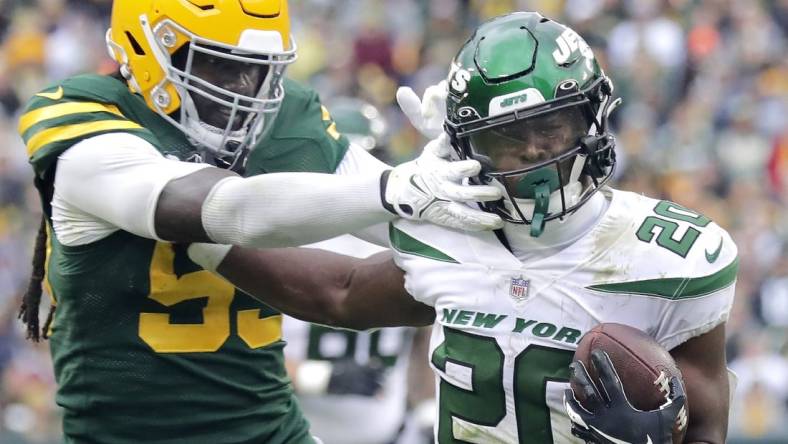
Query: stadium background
705, 87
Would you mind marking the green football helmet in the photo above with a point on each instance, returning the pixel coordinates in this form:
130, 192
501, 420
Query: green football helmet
529, 101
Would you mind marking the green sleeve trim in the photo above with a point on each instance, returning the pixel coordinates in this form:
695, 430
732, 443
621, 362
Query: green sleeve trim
407, 244
676, 288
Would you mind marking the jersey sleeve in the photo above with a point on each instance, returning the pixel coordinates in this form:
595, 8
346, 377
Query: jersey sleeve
680, 264
63, 115
423, 252
703, 299
99, 191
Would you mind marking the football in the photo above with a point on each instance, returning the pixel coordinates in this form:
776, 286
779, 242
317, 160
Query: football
643, 365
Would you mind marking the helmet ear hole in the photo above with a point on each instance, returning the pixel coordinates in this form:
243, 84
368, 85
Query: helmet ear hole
135, 44
598, 159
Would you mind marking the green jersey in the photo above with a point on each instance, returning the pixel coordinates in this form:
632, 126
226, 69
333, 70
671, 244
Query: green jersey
147, 346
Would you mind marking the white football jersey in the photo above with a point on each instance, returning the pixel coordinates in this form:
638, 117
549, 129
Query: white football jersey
353, 419
506, 330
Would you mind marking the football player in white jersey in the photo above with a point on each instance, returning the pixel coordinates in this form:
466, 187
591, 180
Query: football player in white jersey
527, 99
346, 379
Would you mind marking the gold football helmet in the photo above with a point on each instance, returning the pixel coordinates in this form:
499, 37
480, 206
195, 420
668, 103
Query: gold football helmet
219, 63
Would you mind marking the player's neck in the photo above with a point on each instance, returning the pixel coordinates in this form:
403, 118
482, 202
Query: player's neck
557, 234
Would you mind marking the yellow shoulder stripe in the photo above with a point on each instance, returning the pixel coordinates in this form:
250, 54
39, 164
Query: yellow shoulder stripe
66, 132
326, 115
63, 109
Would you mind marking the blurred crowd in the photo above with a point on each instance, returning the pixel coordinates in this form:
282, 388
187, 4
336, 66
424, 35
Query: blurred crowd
704, 124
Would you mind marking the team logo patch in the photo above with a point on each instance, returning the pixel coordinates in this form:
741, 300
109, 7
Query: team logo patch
518, 288
514, 101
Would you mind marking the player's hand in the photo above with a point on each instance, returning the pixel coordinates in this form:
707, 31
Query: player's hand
426, 115
351, 378
430, 189
611, 419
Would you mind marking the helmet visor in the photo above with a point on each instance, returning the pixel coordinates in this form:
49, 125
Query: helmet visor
530, 141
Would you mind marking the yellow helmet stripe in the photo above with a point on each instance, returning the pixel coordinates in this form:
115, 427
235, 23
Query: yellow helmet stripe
62, 109
66, 132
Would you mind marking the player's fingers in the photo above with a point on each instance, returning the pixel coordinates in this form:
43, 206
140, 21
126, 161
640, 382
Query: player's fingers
469, 219
439, 147
434, 104
578, 415
677, 396
579, 375
611, 383
460, 169
410, 104
470, 193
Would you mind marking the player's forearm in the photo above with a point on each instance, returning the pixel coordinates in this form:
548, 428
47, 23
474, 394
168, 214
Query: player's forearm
701, 360
307, 284
289, 209
318, 286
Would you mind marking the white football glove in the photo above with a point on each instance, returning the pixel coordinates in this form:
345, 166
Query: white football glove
430, 189
426, 115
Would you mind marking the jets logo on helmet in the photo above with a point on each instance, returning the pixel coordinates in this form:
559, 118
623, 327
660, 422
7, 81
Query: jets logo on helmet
538, 122
460, 80
518, 99
568, 43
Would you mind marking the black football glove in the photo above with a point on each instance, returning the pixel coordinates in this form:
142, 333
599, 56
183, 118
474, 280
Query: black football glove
351, 378
610, 418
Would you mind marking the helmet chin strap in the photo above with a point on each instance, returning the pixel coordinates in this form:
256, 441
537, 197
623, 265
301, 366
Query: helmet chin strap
540, 193
545, 202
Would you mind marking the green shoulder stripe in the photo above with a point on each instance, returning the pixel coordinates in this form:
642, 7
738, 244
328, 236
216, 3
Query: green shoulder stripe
676, 288
407, 244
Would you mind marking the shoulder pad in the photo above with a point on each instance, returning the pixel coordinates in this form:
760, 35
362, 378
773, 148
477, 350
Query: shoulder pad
668, 251
78, 108
303, 137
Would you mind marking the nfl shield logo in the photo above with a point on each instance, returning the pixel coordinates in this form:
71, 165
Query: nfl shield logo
518, 289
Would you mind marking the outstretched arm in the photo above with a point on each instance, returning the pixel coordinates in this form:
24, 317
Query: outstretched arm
320, 286
185, 202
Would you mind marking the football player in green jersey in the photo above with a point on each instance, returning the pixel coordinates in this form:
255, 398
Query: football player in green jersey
526, 97
147, 346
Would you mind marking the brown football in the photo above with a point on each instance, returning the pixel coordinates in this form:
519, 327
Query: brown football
640, 362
